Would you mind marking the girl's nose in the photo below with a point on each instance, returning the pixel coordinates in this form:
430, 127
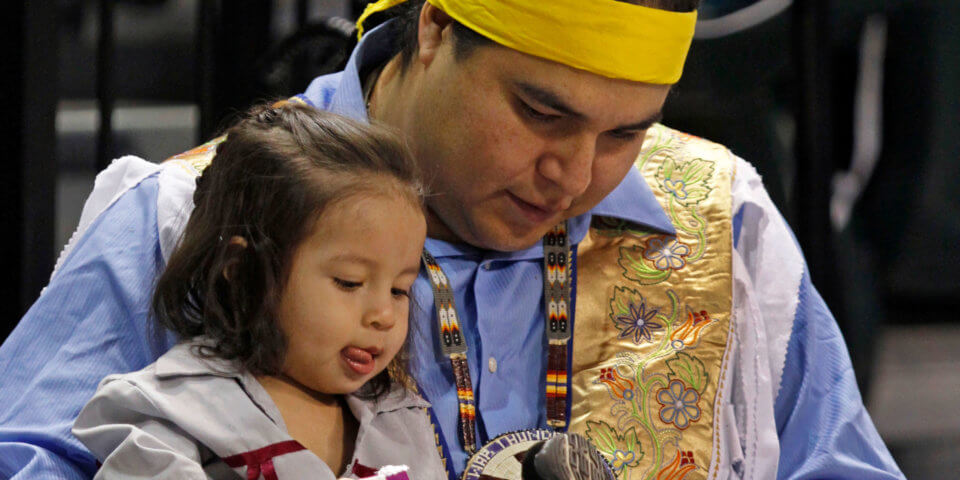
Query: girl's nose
379, 316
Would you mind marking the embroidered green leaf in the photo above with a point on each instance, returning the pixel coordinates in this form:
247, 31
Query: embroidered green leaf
688, 182
666, 169
623, 448
689, 369
635, 267
620, 303
603, 436
657, 140
697, 171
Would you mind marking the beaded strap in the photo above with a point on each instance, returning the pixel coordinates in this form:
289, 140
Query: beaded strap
556, 294
557, 385
556, 299
453, 346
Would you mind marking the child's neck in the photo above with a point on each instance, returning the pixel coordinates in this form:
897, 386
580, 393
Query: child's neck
321, 422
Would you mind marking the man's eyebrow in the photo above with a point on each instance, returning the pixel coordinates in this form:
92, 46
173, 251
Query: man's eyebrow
643, 124
551, 100
548, 99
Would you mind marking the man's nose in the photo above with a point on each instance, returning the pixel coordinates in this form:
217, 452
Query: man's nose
569, 164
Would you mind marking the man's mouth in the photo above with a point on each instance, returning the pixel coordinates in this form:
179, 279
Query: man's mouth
534, 213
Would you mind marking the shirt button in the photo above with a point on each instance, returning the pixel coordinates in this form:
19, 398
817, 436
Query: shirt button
486, 266
492, 365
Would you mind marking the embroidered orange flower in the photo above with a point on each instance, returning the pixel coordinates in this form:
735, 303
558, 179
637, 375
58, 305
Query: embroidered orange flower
678, 469
620, 387
688, 333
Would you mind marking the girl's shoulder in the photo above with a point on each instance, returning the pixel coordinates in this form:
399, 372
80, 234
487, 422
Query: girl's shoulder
181, 368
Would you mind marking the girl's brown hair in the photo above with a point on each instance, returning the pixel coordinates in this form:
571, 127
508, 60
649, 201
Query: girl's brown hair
269, 182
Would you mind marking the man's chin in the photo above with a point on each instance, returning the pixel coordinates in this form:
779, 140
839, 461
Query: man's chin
511, 245
487, 232
507, 240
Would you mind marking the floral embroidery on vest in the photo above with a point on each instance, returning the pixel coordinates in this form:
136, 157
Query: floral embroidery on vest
652, 330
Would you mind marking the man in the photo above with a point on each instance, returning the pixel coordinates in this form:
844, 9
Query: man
697, 346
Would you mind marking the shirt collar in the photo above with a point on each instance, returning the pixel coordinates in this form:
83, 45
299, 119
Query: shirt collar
182, 361
632, 200
374, 48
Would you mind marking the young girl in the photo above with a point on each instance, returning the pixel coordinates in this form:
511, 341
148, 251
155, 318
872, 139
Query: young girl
289, 293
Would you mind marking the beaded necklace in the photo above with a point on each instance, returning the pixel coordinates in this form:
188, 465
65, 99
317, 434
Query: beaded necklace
557, 280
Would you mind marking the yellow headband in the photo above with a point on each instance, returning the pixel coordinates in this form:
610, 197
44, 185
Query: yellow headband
607, 37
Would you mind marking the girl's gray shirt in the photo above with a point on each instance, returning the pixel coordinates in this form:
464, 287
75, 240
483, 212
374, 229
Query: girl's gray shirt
180, 417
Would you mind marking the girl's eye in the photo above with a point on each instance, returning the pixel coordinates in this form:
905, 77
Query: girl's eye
537, 115
347, 284
399, 292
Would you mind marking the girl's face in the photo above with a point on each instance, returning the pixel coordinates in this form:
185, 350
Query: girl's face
344, 309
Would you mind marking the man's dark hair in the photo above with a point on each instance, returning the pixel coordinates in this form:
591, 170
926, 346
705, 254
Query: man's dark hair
407, 15
271, 179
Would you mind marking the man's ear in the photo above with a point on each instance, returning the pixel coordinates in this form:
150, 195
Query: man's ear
236, 245
431, 30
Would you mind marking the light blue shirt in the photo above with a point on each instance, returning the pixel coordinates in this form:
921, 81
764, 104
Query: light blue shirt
92, 321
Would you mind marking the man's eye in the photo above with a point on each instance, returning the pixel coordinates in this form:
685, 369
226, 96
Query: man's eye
399, 292
347, 284
537, 115
624, 134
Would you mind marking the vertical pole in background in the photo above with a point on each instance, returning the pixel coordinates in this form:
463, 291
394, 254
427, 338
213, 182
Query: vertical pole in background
209, 12
234, 35
814, 147
105, 87
28, 86
303, 13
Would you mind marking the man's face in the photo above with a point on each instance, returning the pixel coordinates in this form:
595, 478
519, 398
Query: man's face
513, 144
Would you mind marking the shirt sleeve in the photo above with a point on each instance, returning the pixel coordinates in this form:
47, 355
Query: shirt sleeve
124, 429
823, 427
89, 322
825, 431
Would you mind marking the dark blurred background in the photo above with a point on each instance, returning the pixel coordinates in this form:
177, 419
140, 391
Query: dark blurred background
849, 110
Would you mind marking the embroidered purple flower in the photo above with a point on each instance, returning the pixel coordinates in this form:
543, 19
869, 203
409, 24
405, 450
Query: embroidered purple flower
666, 253
678, 404
638, 322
